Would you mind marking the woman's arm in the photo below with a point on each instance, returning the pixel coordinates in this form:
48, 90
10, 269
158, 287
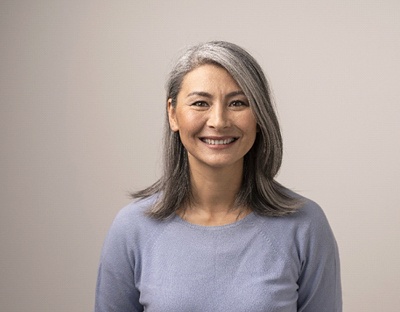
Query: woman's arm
319, 282
115, 290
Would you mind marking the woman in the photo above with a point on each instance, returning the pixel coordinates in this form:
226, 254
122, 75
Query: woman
217, 232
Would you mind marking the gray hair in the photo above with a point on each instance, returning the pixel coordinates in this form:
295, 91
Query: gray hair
259, 190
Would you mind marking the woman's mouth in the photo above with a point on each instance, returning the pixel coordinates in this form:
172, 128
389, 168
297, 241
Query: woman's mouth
218, 141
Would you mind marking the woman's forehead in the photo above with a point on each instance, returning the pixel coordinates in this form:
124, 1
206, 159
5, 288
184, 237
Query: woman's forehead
209, 77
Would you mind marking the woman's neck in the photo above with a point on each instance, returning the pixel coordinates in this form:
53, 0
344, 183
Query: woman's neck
214, 192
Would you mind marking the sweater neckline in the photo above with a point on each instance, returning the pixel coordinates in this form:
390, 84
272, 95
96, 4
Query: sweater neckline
249, 218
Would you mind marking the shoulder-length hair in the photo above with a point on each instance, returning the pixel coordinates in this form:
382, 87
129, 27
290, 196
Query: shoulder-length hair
259, 190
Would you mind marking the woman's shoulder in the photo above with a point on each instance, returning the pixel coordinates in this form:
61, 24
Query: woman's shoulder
133, 218
310, 223
309, 211
308, 219
136, 209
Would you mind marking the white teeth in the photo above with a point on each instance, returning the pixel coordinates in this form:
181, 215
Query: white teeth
218, 142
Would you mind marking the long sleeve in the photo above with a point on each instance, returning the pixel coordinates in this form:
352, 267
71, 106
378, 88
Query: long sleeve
115, 290
319, 282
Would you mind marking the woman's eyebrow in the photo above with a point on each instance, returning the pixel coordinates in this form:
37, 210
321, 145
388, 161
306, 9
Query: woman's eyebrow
200, 93
234, 93
208, 95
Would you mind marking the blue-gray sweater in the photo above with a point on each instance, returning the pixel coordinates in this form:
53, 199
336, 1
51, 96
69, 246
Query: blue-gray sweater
259, 263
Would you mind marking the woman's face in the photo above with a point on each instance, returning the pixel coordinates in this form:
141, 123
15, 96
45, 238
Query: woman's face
215, 122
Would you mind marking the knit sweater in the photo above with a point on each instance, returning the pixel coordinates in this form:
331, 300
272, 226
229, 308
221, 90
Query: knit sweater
279, 264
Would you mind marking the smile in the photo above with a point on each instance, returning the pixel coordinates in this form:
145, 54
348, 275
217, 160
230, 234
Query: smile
219, 142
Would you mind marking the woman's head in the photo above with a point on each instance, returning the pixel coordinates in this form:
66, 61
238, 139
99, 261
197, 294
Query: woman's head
259, 191
267, 151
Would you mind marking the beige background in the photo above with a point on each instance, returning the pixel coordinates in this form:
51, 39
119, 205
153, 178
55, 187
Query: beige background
82, 103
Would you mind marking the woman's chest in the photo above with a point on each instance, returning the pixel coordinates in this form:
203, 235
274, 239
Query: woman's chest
221, 271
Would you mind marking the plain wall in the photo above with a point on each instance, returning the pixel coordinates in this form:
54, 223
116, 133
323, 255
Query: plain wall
82, 108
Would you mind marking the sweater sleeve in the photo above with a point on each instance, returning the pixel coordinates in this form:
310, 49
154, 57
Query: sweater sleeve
115, 290
319, 282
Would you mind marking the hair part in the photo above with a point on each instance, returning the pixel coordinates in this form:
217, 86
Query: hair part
259, 190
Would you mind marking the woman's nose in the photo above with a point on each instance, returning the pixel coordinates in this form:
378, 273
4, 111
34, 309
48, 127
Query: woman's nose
218, 117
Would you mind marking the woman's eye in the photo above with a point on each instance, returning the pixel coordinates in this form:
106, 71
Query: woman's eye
238, 103
200, 104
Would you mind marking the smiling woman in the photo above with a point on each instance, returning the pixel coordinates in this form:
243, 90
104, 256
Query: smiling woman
215, 124
217, 232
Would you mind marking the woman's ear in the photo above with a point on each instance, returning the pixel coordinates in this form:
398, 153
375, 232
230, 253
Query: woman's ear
173, 124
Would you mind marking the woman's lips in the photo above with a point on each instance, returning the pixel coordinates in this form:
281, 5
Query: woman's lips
219, 141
